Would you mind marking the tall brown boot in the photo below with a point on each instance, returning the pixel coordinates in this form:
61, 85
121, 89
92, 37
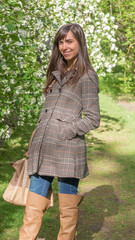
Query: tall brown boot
35, 208
68, 205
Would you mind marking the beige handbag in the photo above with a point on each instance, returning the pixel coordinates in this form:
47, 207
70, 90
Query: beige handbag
18, 187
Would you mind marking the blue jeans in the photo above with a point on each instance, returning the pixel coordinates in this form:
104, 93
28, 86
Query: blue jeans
41, 184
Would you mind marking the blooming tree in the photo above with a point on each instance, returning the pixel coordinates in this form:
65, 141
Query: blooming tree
27, 32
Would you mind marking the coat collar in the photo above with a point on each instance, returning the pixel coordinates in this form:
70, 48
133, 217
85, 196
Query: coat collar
62, 82
56, 74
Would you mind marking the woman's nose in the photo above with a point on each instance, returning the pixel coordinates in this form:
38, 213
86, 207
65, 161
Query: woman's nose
64, 46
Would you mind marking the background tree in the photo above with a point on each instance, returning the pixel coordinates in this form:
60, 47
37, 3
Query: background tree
27, 30
124, 79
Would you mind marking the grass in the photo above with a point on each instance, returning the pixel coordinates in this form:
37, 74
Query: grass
108, 210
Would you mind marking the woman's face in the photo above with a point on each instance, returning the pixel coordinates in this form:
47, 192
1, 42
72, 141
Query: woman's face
69, 48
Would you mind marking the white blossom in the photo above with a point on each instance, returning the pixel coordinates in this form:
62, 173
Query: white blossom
109, 36
20, 3
105, 20
115, 26
113, 47
109, 70
107, 15
86, 11
91, 8
8, 89
4, 67
91, 28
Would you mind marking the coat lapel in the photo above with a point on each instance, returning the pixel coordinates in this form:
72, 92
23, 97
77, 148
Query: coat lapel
62, 82
56, 74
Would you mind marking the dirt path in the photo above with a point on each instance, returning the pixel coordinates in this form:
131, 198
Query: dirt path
130, 106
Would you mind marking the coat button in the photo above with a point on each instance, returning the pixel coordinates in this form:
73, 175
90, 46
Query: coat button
59, 89
45, 110
50, 90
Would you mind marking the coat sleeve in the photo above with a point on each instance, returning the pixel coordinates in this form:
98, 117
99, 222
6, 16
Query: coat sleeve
90, 104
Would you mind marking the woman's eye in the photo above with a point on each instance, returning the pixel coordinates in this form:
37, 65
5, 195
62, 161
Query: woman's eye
60, 42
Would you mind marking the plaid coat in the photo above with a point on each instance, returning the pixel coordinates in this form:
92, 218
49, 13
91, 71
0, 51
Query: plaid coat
58, 147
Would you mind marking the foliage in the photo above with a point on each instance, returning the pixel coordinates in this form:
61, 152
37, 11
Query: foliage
27, 30
124, 17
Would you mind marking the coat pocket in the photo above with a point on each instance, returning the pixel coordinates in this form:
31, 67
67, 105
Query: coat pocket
66, 129
66, 118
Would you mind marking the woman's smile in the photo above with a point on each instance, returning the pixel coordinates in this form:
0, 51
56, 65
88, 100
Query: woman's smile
67, 53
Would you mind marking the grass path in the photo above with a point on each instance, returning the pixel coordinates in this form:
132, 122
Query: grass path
108, 210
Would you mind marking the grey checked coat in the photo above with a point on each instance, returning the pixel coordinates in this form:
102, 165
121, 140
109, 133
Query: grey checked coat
58, 147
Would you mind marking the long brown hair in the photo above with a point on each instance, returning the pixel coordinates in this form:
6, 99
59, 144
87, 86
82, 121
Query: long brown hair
57, 61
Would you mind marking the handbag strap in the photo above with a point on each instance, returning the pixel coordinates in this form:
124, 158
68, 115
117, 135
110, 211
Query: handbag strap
25, 175
29, 144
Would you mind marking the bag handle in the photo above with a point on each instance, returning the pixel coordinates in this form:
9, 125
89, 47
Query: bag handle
29, 144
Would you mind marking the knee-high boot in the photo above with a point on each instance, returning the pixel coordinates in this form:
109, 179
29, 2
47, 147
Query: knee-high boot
68, 205
36, 205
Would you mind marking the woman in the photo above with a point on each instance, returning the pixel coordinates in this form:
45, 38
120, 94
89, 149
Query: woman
58, 147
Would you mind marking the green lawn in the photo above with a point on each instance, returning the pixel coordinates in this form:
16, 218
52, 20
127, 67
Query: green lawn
108, 210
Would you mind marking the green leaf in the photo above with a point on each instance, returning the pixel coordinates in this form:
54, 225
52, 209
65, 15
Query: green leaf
14, 37
10, 27
20, 16
126, 43
73, 8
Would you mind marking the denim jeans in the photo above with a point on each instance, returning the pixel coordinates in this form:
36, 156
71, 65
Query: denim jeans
41, 184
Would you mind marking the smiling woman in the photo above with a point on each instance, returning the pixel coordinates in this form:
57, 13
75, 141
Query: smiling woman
69, 48
70, 38
58, 148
